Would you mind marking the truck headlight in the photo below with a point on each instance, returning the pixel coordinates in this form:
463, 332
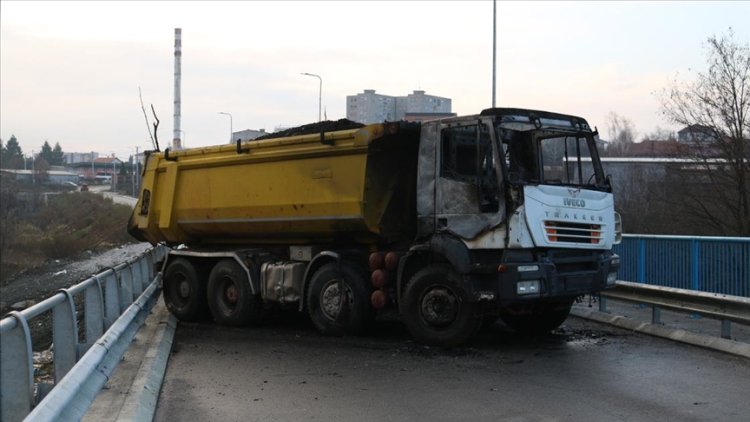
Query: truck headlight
528, 287
611, 279
615, 261
618, 228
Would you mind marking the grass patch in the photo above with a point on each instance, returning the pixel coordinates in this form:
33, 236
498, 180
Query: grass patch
69, 224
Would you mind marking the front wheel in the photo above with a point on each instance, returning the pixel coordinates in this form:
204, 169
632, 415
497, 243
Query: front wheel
229, 295
537, 319
437, 309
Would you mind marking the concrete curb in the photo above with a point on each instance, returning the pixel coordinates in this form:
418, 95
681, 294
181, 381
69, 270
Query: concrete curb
700, 340
143, 395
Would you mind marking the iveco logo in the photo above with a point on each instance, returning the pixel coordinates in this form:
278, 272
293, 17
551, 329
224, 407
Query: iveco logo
574, 202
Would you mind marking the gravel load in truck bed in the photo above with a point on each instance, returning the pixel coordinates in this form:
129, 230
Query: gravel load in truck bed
326, 126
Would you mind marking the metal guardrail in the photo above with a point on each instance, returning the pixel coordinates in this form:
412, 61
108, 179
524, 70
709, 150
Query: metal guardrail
116, 300
724, 308
708, 264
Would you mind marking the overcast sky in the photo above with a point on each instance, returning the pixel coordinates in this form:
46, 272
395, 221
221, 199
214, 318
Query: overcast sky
70, 71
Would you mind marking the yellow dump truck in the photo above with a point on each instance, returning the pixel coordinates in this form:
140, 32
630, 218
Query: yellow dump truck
454, 221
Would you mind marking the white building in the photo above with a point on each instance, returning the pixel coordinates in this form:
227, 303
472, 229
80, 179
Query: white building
247, 135
370, 107
79, 157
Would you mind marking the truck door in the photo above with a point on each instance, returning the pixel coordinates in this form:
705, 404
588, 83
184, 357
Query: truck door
468, 199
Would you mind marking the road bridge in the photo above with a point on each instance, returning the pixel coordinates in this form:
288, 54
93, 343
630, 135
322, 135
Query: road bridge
284, 370
586, 371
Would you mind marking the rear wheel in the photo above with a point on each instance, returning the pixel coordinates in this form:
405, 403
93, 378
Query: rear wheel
539, 318
230, 297
184, 288
338, 300
437, 310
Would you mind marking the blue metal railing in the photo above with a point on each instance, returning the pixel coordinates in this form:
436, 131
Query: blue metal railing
708, 264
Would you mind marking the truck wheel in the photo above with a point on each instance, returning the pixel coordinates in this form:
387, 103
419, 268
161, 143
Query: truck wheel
541, 319
437, 310
184, 289
335, 310
229, 295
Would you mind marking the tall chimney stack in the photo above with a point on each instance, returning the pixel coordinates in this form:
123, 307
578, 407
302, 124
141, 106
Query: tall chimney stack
176, 141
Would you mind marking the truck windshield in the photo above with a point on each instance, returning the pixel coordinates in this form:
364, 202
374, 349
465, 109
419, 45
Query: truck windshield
568, 161
551, 157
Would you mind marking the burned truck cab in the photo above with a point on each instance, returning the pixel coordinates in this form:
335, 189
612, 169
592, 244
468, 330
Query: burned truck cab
515, 204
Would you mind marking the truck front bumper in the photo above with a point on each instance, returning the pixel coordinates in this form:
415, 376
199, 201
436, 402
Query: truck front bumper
555, 275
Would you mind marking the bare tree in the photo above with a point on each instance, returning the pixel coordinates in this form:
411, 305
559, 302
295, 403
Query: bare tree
621, 134
41, 170
717, 106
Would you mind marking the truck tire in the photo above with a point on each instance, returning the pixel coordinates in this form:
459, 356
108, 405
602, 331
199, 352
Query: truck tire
184, 288
541, 319
230, 297
329, 313
437, 310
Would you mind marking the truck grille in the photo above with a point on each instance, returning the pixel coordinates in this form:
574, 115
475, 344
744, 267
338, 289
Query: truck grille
559, 231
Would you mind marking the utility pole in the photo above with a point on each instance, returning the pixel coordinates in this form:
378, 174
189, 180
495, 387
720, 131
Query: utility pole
176, 142
494, 48
134, 173
137, 173
230, 124
320, 90
114, 175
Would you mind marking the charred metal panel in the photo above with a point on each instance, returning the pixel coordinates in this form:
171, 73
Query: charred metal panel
457, 197
459, 210
426, 175
467, 174
469, 226
453, 250
389, 204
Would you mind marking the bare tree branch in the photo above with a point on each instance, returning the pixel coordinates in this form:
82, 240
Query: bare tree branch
156, 127
148, 127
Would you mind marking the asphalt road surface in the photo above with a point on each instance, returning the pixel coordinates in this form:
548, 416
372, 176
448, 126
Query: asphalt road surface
286, 371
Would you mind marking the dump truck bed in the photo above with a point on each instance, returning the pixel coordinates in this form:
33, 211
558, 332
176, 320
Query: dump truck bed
350, 186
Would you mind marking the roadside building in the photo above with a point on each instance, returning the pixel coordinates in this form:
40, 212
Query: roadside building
371, 107
79, 157
696, 134
248, 135
48, 177
100, 170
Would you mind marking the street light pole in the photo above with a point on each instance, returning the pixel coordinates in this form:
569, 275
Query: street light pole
494, 48
184, 137
230, 125
320, 91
